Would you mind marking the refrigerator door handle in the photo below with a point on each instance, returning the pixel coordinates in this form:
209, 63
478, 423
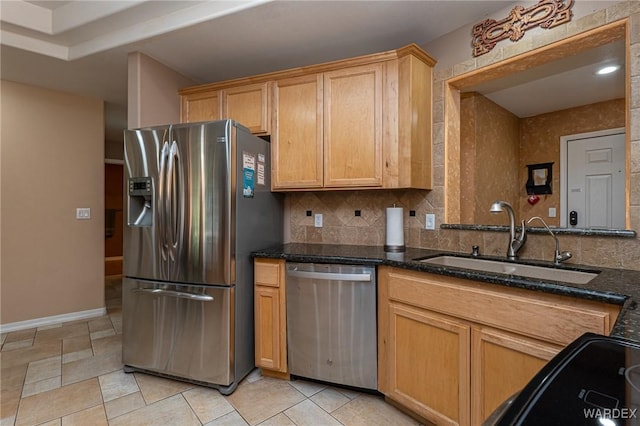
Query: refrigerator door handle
162, 206
176, 201
173, 293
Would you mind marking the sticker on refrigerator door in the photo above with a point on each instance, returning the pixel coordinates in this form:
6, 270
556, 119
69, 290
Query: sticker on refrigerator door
248, 161
248, 184
260, 173
248, 174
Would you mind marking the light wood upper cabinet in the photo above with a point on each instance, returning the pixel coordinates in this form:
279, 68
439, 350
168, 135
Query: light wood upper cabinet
488, 340
249, 106
373, 129
270, 315
201, 107
362, 122
407, 122
297, 138
327, 130
353, 127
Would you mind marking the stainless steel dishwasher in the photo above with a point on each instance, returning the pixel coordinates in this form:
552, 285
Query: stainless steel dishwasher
331, 323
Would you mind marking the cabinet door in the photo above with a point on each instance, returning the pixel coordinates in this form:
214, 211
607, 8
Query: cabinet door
200, 107
249, 106
353, 127
267, 326
296, 142
270, 315
428, 364
502, 364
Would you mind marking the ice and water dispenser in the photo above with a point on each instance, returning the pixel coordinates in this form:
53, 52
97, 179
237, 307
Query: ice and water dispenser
140, 210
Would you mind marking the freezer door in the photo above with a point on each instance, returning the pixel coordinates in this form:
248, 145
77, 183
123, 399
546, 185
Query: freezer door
180, 330
188, 238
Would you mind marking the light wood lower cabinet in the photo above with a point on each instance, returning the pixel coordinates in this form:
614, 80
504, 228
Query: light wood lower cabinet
270, 315
502, 364
451, 350
428, 364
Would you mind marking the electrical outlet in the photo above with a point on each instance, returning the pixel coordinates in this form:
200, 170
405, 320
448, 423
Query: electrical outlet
430, 221
317, 220
552, 212
83, 213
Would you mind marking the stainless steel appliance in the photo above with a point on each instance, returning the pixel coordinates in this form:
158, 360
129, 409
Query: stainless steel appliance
198, 202
593, 381
331, 323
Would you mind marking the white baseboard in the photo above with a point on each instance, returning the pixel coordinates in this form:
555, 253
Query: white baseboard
52, 320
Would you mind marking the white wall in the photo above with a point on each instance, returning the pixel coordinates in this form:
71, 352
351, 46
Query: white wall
153, 92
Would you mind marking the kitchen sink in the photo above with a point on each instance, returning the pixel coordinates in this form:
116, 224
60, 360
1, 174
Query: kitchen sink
510, 268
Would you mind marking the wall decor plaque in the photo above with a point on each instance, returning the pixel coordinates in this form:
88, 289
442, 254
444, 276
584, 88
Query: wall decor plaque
546, 14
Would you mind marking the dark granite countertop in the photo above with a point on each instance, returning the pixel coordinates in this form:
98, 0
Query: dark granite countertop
584, 232
617, 286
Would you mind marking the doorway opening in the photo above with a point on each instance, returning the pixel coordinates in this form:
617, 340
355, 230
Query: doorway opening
113, 205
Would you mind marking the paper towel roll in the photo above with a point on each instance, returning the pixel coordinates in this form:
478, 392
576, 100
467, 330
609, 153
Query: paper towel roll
395, 229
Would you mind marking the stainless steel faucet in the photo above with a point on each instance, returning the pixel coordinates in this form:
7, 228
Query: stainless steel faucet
558, 256
515, 242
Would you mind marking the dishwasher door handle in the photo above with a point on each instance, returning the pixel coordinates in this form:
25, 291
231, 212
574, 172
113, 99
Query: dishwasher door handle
329, 276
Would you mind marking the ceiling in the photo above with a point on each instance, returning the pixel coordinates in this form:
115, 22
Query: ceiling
566, 83
81, 46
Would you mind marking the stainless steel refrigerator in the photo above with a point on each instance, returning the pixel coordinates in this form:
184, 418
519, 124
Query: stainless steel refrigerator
198, 202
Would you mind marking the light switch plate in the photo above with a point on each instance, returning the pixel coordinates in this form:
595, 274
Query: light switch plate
317, 222
83, 213
552, 212
430, 221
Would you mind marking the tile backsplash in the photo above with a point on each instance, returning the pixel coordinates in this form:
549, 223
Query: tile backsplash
342, 226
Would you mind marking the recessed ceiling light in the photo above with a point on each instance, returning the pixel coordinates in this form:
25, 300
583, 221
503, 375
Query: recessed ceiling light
607, 70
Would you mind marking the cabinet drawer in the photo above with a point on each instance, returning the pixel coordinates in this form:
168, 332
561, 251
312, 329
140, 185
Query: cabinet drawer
552, 318
267, 272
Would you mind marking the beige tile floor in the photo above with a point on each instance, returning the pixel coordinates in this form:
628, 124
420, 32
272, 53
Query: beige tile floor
71, 374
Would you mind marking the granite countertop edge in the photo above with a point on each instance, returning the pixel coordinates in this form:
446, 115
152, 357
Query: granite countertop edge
583, 232
616, 286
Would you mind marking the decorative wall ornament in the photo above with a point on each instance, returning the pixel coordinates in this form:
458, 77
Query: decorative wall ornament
540, 179
546, 14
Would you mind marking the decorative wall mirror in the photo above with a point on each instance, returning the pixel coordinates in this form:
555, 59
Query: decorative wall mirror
499, 96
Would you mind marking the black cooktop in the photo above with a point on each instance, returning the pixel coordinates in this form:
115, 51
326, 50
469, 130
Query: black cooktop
593, 381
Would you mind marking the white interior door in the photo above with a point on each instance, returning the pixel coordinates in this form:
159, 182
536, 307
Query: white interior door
595, 180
